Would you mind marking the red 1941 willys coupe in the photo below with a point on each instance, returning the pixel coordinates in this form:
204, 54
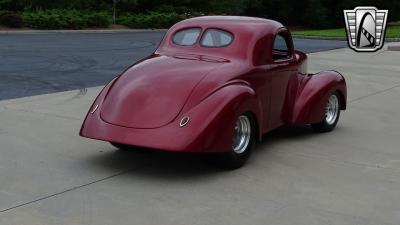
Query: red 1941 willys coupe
215, 84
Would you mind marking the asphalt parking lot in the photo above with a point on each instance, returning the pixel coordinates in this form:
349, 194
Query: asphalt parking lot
43, 63
50, 175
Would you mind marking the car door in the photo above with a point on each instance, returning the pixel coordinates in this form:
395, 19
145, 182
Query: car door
283, 75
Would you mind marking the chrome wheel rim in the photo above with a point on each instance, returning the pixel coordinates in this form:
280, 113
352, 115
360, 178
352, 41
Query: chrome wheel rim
332, 109
241, 134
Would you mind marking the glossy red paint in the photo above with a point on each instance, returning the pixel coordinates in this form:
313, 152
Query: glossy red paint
213, 86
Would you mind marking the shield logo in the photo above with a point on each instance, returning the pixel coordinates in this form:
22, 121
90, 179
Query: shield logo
365, 27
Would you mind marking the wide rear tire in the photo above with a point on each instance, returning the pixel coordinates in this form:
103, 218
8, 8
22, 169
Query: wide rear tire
243, 142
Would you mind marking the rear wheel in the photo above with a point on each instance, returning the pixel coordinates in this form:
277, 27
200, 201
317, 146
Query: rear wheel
332, 114
243, 141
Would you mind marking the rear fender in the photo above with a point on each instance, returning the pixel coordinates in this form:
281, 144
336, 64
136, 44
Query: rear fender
98, 101
209, 129
214, 118
313, 94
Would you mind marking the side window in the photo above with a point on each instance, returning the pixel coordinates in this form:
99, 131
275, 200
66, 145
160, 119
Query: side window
280, 44
281, 49
186, 37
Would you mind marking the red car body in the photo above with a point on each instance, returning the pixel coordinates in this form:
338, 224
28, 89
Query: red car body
144, 106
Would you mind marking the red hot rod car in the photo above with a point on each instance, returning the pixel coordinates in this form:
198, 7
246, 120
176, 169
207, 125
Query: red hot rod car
215, 84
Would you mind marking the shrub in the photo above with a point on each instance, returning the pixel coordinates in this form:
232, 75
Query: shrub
397, 23
99, 19
151, 20
4, 12
66, 19
11, 20
173, 9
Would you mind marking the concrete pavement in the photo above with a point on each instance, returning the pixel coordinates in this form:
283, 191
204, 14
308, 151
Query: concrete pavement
49, 175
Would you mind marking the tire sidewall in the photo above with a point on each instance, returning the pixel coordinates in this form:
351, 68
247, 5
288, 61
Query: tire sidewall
324, 126
236, 160
338, 112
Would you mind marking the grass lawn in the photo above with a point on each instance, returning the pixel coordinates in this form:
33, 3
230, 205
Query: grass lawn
392, 31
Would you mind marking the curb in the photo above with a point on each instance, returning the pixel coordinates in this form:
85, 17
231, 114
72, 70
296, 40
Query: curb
320, 38
393, 48
338, 38
79, 31
392, 39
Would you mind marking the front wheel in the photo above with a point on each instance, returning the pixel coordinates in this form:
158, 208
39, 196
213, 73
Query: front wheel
332, 114
243, 141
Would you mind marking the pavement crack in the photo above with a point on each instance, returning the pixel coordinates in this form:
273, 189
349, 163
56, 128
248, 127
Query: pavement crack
68, 190
340, 162
375, 93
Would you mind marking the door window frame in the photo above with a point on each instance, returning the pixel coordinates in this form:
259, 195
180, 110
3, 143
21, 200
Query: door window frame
287, 37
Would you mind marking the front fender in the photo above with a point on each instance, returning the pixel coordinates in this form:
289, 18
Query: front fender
313, 94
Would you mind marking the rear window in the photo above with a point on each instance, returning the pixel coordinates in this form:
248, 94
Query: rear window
214, 38
186, 37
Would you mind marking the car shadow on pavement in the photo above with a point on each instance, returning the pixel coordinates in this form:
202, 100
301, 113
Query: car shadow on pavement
177, 166
279, 136
155, 163
288, 132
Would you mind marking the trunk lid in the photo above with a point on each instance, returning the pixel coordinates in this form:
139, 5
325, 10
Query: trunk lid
153, 92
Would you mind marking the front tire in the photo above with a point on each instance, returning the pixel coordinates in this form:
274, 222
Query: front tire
243, 142
332, 114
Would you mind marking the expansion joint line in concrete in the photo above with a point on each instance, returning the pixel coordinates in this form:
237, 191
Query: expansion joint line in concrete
375, 93
67, 190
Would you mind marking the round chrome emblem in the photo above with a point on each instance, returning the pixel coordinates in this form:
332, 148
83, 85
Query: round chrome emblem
184, 121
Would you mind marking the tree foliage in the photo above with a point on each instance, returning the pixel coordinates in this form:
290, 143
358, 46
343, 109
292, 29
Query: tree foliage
308, 13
